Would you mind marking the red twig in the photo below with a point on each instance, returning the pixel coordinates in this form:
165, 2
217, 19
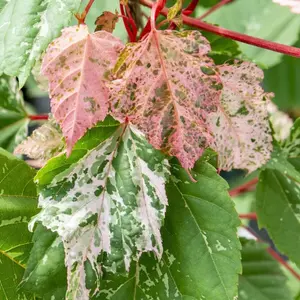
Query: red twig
247, 39
275, 255
38, 117
81, 18
246, 187
249, 216
213, 8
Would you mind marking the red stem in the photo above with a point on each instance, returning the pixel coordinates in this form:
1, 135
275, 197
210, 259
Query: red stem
246, 187
38, 117
275, 255
81, 18
288, 50
249, 216
127, 21
213, 8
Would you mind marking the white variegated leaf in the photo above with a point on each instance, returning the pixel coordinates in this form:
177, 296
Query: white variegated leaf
44, 143
112, 200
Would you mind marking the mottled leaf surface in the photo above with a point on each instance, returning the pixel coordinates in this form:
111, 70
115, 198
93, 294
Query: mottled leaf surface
44, 143
75, 64
241, 127
26, 29
106, 21
18, 203
13, 117
166, 86
262, 277
112, 200
278, 210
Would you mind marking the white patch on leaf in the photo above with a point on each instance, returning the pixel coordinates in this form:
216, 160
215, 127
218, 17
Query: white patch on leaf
115, 195
294, 5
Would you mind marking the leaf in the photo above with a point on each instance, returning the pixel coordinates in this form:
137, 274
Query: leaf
112, 200
241, 125
294, 5
75, 65
262, 278
26, 31
46, 274
44, 143
106, 21
18, 202
278, 210
174, 13
254, 18
291, 145
166, 86
13, 117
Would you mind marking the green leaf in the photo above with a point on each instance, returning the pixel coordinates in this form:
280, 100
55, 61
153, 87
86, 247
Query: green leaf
13, 117
262, 277
18, 203
259, 18
26, 29
113, 200
278, 210
286, 90
46, 274
291, 146
201, 257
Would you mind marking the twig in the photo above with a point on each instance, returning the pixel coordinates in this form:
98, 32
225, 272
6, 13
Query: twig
249, 216
275, 255
247, 39
38, 117
81, 18
214, 8
246, 187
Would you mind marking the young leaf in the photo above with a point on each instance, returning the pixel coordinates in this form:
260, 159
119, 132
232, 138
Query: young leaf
278, 210
13, 117
294, 5
262, 277
18, 202
44, 143
241, 125
166, 85
106, 21
27, 29
75, 64
113, 197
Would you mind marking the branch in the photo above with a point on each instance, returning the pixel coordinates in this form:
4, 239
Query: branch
38, 117
246, 187
275, 255
247, 39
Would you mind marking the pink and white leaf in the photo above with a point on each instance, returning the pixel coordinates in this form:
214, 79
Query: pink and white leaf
241, 127
294, 5
166, 85
75, 65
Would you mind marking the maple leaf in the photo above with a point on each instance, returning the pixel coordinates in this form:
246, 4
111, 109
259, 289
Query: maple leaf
112, 200
240, 125
294, 5
44, 143
106, 21
75, 65
166, 85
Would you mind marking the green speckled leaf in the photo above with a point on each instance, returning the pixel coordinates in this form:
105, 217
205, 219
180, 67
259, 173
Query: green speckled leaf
291, 145
112, 200
278, 210
13, 118
26, 29
262, 277
18, 204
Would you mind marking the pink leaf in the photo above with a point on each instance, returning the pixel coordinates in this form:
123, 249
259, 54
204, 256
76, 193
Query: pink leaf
75, 65
241, 126
294, 5
166, 85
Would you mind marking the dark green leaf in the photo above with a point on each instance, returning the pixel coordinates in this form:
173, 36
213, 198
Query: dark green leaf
18, 203
262, 277
278, 210
291, 146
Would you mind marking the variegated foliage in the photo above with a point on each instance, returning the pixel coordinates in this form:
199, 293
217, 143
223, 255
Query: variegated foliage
44, 143
112, 200
166, 86
240, 125
75, 65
